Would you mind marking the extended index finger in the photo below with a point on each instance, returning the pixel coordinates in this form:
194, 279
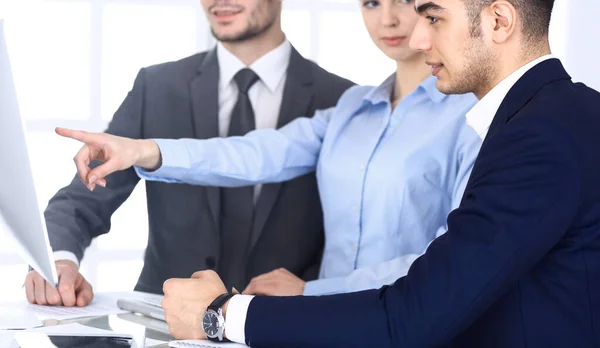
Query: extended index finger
83, 136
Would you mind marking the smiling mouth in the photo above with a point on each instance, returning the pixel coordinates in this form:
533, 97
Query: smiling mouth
225, 10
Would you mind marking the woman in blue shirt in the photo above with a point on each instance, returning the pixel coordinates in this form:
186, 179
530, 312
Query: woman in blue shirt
392, 161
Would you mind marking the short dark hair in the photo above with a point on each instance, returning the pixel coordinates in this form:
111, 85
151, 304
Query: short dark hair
535, 15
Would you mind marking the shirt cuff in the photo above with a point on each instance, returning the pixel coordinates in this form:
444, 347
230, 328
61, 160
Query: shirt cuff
171, 157
65, 255
329, 286
235, 320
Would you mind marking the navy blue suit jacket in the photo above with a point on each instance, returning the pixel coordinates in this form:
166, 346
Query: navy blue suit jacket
520, 263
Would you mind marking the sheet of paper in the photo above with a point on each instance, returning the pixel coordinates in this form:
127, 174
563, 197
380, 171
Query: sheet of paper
102, 304
152, 342
18, 319
76, 329
204, 344
7, 339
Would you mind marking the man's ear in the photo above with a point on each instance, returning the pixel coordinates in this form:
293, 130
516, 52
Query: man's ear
501, 17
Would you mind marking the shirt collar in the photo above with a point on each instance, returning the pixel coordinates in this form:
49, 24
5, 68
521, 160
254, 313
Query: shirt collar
383, 92
270, 68
481, 115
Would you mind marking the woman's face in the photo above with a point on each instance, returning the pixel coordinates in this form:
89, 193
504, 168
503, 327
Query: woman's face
390, 24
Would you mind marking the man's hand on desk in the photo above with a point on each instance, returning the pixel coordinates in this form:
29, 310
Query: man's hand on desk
279, 282
186, 300
73, 289
117, 153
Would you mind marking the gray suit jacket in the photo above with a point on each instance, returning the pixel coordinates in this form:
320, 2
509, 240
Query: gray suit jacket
180, 100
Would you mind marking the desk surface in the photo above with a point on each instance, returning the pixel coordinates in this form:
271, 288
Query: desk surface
132, 324
140, 327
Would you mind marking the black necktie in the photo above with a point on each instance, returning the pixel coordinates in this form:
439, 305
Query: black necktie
242, 116
237, 204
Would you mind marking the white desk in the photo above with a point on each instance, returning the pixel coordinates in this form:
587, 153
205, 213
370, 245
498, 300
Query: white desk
138, 326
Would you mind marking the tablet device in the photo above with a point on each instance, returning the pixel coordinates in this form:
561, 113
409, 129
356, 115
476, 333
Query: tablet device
43, 340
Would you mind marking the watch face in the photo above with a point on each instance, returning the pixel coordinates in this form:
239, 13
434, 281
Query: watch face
210, 324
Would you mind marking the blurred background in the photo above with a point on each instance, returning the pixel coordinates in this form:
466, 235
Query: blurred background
75, 60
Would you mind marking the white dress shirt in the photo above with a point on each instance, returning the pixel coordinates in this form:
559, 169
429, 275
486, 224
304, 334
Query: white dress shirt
479, 118
265, 96
481, 115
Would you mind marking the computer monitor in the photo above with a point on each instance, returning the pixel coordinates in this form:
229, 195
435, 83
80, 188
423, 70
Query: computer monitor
20, 214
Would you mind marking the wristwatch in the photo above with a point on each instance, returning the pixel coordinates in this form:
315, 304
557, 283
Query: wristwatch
213, 322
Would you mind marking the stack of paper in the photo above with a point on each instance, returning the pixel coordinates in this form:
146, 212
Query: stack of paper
101, 305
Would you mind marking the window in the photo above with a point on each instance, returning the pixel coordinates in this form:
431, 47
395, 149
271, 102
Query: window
75, 60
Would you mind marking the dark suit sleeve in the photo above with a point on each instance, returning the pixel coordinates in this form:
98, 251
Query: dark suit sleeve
312, 272
524, 193
75, 215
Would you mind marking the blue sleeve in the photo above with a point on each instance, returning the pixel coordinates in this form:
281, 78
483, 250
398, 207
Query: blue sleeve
261, 156
364, 278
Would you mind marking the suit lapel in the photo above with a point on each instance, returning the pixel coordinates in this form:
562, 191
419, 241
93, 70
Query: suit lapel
518, 96
204, 90
525, 89
296, 101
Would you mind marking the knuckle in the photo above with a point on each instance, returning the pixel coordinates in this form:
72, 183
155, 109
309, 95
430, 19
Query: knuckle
66, 287
168, 286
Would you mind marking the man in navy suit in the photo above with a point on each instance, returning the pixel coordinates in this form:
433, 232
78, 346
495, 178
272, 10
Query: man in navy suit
520, 263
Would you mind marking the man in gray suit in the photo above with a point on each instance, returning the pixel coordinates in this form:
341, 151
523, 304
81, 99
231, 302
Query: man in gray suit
254, 78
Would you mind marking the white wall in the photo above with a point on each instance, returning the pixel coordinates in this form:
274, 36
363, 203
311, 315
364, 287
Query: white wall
75, 60
583, 45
